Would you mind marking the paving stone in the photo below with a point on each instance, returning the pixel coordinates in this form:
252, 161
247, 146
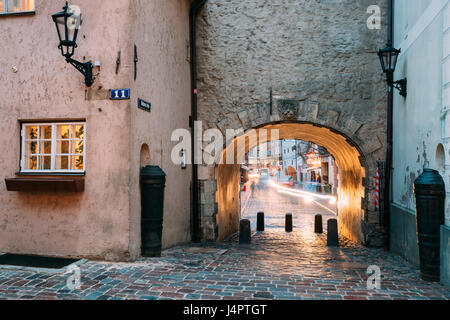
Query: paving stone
277, 265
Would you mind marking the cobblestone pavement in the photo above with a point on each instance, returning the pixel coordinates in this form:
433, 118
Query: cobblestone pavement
277, 265
275, 206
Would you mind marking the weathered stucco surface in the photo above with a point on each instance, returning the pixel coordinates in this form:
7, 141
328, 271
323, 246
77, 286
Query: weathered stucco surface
319, 58
103, 221
421, 121
163, 79
93, 223
417, 123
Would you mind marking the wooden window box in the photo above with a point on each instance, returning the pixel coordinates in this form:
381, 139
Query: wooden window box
16, 14
51, 184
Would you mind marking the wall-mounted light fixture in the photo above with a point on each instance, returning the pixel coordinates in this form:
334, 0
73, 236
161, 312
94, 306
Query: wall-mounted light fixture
388, 59
67, 25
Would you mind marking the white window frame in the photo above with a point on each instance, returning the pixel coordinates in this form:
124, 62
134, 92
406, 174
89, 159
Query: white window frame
6, 12
54, 140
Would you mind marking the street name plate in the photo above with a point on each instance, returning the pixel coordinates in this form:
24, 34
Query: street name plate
147, 106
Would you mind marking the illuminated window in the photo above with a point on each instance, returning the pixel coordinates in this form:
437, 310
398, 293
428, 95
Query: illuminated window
53, 147
13, 6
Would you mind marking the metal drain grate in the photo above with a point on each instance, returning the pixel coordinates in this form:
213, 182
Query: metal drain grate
19, 260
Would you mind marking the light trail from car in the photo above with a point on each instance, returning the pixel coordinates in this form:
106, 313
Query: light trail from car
303, 193
309, 199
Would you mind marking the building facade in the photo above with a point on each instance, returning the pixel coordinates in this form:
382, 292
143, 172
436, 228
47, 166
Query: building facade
265, 155
421, 121
289, 157
59, 133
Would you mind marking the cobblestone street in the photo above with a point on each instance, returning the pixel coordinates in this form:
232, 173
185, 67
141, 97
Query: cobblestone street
277, 265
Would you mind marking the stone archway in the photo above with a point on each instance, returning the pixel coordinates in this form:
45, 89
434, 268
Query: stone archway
358, 219
255, 70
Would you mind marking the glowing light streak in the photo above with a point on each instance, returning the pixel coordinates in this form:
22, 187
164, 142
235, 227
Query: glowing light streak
308, 199
301, 192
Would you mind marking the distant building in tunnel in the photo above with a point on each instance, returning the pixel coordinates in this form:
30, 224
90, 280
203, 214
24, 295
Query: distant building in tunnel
265, 155
315, 168
289, 157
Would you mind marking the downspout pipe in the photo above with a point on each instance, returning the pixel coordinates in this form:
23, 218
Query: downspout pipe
195, 193
389, 134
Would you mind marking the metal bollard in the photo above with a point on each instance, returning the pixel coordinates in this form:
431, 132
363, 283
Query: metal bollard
332, 233
288, 222
153, 180
318, 226
245, 232
260, 221
429, 190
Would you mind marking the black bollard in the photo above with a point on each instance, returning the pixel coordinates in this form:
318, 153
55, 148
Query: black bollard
318, 227
288, 222
429, 190
260, 221
332, 233
244, 232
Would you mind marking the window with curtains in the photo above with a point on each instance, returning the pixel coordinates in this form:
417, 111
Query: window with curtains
16, 6
53, 147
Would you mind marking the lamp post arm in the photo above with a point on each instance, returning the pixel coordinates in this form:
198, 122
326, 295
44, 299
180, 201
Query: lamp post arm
401, 85
84, 68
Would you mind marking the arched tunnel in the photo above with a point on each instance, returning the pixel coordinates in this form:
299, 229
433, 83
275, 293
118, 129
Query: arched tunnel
351, 191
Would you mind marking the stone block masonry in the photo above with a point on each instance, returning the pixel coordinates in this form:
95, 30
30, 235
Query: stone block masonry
318, 58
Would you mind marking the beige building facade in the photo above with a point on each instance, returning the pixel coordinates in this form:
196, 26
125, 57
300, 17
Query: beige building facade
53, 127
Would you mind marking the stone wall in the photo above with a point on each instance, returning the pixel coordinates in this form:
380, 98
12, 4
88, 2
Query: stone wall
317, 57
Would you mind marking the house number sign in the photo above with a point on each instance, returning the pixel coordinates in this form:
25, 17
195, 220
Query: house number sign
120, 94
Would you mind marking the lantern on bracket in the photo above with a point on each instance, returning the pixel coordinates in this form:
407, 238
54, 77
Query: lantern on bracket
388, 59
67, 25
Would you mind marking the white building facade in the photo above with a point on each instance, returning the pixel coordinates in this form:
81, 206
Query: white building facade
421, 137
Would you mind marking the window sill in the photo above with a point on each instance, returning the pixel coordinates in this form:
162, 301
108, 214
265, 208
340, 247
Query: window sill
13, 14
43, 174
45, 184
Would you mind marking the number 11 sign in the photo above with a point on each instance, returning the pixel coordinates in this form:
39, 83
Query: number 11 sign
120, 94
